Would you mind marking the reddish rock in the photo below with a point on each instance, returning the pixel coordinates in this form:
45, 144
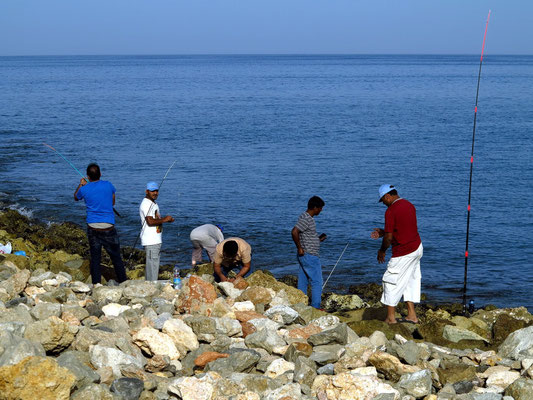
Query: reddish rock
203, 359
196, 293
240, 283
157, 363
247, 328
305, 332
245, 316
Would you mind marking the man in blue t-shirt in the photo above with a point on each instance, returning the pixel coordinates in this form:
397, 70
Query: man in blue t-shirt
99, 199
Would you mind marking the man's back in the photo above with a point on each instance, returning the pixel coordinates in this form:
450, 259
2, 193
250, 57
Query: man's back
98, 198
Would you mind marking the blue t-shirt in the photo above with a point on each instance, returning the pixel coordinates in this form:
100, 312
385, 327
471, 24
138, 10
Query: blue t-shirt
98, 198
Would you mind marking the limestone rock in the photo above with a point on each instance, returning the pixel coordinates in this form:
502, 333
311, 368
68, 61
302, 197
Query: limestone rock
108, 293
14, 349
36, 378
338, 302
93, 392
502, 379
351, 386
264, 339
278, 367
256, 294
153, 342
338, 334
114, 309
110, 357
78, 364
229, 290
417, 384
266, 280
16, 283
521, 389
390, 366
518, 344
192, 388
282, 314
183, 336
455, 334
53, 333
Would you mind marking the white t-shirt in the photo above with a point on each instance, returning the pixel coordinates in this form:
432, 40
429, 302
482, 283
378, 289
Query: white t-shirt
150, 235
206, 233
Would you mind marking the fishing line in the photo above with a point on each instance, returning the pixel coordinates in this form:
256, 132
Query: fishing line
76, 169
150, 209
472, 167
325, 283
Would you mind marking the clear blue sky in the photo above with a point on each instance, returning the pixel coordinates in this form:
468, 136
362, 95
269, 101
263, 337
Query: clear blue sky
63, 27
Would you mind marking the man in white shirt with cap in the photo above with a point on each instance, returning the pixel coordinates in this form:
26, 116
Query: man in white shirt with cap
151, 231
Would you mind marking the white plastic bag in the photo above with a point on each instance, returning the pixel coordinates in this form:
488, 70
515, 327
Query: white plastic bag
5, 249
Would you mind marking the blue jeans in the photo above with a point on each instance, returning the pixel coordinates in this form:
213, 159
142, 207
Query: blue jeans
310, 272
109, 241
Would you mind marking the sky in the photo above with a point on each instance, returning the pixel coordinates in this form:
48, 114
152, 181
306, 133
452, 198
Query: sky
89, 27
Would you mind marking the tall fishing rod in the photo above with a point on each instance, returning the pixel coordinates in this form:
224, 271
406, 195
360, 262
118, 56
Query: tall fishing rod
76, 169
472, 166
325, 283
150, 209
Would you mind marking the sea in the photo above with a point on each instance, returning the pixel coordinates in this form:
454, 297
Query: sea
255, 136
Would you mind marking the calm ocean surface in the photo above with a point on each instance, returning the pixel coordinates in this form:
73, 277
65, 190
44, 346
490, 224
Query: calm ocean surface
256, 136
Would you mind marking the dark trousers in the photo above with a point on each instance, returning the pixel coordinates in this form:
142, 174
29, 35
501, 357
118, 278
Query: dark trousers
109, 241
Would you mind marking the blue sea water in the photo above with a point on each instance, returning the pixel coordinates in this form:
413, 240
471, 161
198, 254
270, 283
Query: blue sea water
255, 136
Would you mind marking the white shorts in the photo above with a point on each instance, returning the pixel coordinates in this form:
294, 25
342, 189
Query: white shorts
403, 278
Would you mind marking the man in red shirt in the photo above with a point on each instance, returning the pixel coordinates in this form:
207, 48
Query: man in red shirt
402, 277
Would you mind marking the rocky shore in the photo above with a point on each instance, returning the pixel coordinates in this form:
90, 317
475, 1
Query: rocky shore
254, 339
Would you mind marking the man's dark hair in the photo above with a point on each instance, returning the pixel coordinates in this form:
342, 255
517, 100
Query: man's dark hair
93, 172
393, 192
315, 202
230, 248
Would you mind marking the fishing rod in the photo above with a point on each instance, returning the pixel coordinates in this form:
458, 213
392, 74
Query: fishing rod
325, 283
76, 169
472, 167
150, 209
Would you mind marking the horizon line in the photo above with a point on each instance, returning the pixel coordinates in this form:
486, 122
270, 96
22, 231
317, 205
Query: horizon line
255, 54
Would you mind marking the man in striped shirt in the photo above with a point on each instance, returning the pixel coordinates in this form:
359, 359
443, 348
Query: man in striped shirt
308, 244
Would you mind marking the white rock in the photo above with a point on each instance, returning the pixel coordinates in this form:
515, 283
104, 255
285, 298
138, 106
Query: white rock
348, 385
228, 327
326, 322
153, 342
191, 388
371, 371
278, 367
114, 309
243, 306
110, 357
50, 282
229, 290
290, 391
378, 339
264, 323
527, 362
182, 335
280, 298
518, 344
282, 314
400, 339
502, 379
79, 287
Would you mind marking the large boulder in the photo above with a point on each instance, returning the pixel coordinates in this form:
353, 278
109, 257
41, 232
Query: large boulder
36, 378
53, 333
521, 389
267, 280
518, 344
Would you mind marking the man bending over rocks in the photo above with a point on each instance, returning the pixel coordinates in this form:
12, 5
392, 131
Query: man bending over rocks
99, 199
229, 254
402, 277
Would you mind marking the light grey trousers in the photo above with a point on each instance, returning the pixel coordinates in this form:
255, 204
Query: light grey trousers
152, 261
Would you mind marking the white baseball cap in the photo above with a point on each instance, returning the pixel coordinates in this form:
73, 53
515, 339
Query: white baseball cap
384, 189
